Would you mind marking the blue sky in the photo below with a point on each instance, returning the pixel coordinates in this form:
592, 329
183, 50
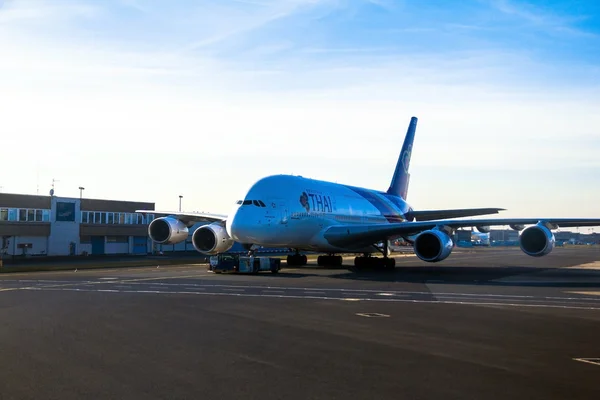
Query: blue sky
146, 100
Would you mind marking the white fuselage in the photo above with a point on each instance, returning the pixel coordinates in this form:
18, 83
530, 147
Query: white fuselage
291, 211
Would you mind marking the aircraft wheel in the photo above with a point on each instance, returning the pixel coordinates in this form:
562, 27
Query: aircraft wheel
291, 261
339, 261
390, 263
304, 260
320, 261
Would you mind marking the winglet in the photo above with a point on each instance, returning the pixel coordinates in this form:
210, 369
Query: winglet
399, 184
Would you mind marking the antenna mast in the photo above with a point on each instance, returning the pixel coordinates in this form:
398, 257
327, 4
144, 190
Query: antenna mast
53, 182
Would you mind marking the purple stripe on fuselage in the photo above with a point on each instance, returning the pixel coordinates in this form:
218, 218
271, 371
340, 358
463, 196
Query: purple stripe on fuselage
389, 211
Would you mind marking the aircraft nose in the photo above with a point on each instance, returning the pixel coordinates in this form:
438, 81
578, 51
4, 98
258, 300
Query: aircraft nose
237, 228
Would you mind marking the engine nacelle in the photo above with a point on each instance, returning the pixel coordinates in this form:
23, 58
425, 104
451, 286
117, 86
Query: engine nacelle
537, 240
167, 230
211, 239
483, 229
433, 245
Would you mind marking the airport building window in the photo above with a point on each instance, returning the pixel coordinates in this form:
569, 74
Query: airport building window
24, 215
13, 214
103, 217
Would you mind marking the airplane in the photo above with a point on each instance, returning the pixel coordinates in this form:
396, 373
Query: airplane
309, 215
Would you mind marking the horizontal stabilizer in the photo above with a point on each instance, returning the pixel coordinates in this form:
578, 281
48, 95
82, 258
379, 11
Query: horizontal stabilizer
431, 215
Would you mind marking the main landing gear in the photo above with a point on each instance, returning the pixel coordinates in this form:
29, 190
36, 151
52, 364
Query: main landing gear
330, 260
296, 260
366, 261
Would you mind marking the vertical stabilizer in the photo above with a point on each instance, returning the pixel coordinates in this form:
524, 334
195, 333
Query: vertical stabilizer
399, 185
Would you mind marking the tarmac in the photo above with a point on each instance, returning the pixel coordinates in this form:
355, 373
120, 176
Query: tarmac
483, 324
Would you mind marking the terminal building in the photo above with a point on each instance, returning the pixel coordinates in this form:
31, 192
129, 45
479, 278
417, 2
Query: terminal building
32, 225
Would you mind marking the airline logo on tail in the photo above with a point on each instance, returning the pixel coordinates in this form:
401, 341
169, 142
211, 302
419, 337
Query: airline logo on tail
406, 158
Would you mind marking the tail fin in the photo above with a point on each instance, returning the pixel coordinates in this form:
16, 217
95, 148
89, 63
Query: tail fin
399, 185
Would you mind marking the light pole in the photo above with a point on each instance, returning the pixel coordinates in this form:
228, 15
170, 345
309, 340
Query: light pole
180, 197
81, 189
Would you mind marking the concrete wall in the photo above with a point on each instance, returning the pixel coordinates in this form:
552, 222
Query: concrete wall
10, 200
116, 248
39, 245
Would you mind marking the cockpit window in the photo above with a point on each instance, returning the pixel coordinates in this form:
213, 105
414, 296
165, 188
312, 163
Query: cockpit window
257, 203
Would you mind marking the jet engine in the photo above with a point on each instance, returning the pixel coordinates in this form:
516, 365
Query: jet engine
167, 230
433, 245
537, 240
211, 239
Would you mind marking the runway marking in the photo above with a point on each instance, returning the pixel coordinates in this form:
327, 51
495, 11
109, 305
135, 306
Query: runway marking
391, 300
593, 361
373, 291
586, 293
348, 292
371, 315
385, 294
592, 265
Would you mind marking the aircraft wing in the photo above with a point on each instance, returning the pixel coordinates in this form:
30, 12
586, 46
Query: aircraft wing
188, 217
428, 215
356, 235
